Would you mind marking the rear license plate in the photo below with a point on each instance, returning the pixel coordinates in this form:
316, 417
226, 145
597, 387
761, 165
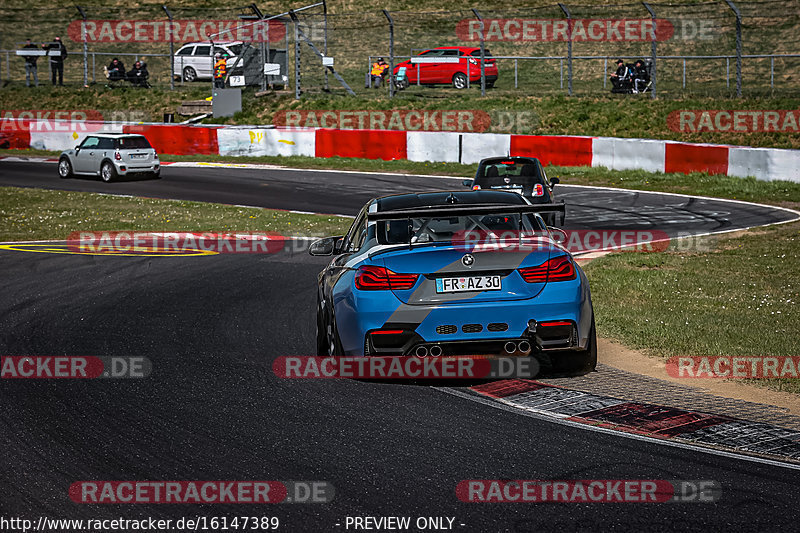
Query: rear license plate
468, 284
138, 156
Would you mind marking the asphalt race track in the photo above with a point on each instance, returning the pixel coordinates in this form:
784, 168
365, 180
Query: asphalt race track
346, 192
213, 409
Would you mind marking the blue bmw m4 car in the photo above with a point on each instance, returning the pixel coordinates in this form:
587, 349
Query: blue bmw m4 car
454, 273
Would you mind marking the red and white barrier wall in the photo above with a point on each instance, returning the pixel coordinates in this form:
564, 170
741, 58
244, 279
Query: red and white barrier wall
614, 153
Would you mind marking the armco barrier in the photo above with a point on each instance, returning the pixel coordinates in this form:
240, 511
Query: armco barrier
554, 149
614, 153
628, 154
368, 144
252, 141
686, 158
178, 139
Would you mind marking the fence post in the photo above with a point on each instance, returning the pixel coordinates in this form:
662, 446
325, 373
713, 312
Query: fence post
325, 38
483, 55
653, 53
569, 47
515, 74
738, 47
85, 47
391, 52
296, 57
772, 72
171, 50
259, 26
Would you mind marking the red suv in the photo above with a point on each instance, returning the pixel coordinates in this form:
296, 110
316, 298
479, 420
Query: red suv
451, 64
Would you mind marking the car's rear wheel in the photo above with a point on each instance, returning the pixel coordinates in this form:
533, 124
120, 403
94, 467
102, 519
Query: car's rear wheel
64, 168
333, 344
489, 84
189, 74
107, 172
460, 80
322, 334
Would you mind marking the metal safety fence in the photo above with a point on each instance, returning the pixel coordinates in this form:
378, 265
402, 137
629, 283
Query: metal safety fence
716, 48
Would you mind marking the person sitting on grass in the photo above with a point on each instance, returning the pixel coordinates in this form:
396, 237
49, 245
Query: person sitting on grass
115, 70
620, 80
138, 75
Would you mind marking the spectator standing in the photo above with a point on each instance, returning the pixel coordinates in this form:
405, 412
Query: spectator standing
220, 70
30, 65
57, 53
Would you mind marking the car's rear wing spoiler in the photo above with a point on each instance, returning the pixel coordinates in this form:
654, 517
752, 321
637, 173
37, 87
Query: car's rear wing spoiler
429, 212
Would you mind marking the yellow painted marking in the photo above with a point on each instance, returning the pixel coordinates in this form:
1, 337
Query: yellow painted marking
285, 141
75, 135
141, 251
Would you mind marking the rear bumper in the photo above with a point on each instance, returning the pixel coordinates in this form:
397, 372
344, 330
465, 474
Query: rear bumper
124, 169
465, 327
476, 77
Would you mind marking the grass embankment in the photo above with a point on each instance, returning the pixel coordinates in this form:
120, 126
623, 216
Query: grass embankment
739, 299
36, 214
604, 115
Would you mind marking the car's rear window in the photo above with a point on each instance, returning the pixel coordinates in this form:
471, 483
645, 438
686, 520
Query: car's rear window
477, 53
132, 143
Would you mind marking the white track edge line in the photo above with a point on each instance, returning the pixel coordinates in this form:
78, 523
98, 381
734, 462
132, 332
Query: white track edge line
644, 438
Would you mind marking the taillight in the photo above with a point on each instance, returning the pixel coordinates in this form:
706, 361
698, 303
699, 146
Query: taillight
556, 269
538, 190
375, 278
117, 156
473, 61
155, 155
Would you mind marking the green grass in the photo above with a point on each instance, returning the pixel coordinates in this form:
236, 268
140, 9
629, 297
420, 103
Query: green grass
739, 299
35, 214
597, 115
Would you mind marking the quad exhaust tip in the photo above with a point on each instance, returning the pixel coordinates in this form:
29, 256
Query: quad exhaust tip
510, 347
524, 347
436, 350
421, 351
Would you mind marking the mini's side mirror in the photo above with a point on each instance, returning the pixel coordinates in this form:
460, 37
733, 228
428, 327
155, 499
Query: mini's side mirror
554, 182
326, 246
467, 183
